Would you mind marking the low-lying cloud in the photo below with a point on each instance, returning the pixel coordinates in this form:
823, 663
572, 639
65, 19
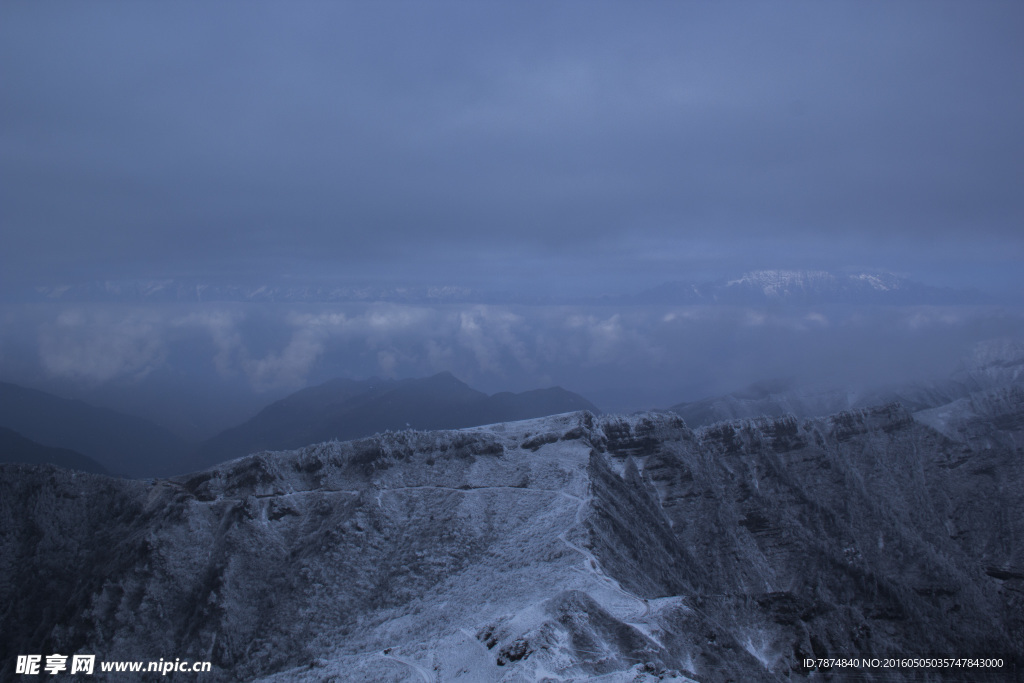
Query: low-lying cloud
98, 346
619, 357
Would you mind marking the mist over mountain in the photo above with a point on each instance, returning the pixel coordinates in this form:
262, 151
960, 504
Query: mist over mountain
16, 448
753, 288
348, 409
811, 287
765, 399
199, 366
131, 446
210, 212
575, 546
123, 444
176, 291
994, 415
990, 365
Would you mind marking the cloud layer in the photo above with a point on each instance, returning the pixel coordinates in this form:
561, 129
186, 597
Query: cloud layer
573, 146
619, 357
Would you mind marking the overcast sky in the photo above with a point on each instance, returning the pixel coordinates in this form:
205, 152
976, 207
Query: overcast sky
564, 145
566, 148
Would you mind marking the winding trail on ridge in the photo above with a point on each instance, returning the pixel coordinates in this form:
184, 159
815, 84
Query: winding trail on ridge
425, 675
592, 565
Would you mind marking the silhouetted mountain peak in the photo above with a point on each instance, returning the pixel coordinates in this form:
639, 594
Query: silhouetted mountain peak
124, 444
349, 409
765, 388
443, 384
809, 287
16, 448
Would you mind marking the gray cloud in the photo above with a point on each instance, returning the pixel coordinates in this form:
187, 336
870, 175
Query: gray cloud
619, 357
564, 146
97, 346
564, 150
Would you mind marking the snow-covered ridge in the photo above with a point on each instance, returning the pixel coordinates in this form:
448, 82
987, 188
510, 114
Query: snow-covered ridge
754, 287
989, 365
810, 287
996, 361
781, 283
571, 547
170, 290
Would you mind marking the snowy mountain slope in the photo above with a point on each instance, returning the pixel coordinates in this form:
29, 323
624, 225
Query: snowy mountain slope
993, 363
990, 365
993, 416
349, 409
765, 399
809, 287
568, 547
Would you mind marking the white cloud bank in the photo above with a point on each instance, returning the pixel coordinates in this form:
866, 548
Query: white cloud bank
618, 357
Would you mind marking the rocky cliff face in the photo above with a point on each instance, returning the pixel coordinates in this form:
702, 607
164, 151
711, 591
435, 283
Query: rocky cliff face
567, 547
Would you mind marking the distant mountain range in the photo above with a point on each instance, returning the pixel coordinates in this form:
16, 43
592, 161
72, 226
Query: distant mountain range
16, 448
755, 288
98, 439
574, 546
167, 291
134, 447
125, 445
348, 409
805, 287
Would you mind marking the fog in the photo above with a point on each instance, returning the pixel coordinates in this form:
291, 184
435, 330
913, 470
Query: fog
555, 161
199, 368
571, 148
